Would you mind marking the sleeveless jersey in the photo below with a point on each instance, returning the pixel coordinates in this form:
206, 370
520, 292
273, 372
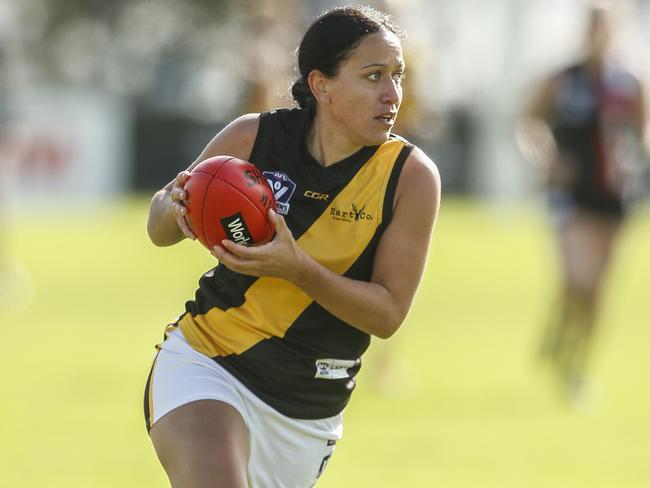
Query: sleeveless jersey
268, 333
593, 117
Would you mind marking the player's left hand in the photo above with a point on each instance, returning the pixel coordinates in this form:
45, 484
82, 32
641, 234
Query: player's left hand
280, 258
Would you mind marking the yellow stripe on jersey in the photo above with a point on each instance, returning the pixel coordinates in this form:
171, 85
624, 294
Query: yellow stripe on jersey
336, 239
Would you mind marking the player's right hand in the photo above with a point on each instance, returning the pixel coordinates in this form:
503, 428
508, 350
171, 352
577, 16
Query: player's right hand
178, 196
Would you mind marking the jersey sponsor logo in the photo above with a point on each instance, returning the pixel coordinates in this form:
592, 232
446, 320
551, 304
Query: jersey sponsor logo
316, 196
334, 369
236, 229
353, 214
282, 187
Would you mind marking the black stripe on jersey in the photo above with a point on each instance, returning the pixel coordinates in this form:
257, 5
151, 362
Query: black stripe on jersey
280, 387
220, 287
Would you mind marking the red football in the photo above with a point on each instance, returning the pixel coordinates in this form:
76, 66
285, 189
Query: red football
228, 198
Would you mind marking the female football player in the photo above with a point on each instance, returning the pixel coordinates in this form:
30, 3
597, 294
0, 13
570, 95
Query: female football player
249, 385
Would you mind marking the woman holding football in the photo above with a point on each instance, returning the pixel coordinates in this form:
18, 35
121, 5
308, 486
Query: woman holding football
249, 385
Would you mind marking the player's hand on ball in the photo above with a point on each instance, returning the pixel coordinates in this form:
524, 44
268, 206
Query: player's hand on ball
178, 197
279, 258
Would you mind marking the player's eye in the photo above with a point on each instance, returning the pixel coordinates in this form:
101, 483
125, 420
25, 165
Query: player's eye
374, 76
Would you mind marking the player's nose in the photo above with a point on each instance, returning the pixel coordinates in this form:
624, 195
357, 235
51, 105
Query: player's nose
392, 92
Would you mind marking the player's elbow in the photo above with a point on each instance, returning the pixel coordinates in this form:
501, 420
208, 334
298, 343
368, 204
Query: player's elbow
390, 311
155, 236
389, 324
160, 230
386, 331
162, 236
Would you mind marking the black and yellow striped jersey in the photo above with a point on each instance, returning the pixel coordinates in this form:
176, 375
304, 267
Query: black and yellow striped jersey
273, 337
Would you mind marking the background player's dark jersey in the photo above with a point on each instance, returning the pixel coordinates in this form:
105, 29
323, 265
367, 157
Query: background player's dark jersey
591, 115
287, 349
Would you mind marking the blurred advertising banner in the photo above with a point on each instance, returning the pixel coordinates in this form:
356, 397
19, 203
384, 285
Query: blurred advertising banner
73, 146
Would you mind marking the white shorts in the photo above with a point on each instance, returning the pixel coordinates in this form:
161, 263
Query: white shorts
284, 452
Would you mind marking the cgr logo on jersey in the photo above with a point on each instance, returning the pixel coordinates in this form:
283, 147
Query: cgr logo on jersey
236, 229
314, 195
282, 187
354, 214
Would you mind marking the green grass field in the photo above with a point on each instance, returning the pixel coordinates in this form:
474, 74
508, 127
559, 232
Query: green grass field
470, 405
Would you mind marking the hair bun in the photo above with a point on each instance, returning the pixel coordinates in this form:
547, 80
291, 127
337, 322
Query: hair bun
301, 93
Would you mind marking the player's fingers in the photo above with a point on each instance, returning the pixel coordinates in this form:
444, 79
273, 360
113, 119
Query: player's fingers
178, 193
217, 251
185, 228
180, 214
239, 250
231, 261
182, 177
278, 222
179, 209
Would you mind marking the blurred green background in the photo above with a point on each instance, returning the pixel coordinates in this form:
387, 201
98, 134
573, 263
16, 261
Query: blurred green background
466, 404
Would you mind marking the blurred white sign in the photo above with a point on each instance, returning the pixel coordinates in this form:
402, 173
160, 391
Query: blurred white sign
76, 148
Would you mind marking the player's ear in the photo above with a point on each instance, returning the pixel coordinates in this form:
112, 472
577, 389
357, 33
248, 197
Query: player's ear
319, 86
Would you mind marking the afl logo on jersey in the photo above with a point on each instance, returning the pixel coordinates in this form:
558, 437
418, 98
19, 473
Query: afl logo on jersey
283, 189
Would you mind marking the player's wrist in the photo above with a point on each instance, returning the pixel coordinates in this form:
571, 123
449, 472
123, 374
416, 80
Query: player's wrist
305, 271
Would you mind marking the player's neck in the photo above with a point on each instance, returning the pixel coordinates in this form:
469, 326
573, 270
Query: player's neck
327, 146
595, 61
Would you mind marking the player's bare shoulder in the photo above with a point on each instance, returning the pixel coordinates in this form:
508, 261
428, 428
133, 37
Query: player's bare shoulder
420, 179
245, 127
236, 139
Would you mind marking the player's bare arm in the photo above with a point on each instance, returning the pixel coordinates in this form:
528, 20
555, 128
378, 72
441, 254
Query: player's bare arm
534, 137
167, 222
377, 307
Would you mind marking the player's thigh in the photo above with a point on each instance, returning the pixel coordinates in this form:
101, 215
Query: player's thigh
203, 444
582, 253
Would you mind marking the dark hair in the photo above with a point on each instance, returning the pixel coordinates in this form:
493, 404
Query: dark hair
329, 41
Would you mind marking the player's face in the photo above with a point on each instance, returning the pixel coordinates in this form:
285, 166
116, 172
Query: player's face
367, 92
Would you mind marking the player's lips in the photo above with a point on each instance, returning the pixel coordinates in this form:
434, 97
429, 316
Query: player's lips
387, 118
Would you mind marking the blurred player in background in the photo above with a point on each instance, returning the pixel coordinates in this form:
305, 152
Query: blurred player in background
585, 125
249, 385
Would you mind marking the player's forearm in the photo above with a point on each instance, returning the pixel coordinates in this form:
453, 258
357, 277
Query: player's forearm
161, 226
367, 306
537, 142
